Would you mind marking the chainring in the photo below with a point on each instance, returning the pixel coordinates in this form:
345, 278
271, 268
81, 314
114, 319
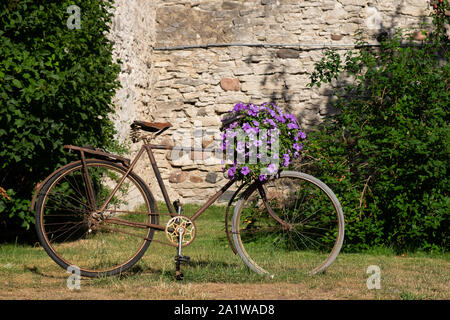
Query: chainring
177, 224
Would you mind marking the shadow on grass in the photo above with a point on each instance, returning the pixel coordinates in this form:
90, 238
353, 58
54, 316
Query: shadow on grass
213, 264
35, 270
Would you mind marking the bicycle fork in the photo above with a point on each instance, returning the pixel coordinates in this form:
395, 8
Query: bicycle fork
179, 258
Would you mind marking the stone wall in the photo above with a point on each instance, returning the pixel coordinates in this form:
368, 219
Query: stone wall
193, 87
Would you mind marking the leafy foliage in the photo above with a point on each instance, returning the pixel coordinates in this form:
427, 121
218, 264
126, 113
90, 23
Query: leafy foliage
56, 86
385, 154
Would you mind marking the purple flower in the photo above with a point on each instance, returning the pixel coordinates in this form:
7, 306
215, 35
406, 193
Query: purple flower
231, 172
291, 117
253, 110
270, 121
254, 130
245, 170
248, 154
238, 107
272, 168
286, 159
280, 119
272, 125
233, 125
246, 126
240, 147
232, 133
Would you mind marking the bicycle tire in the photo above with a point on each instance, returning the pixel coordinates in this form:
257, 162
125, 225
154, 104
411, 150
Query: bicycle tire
250, 237
70, 176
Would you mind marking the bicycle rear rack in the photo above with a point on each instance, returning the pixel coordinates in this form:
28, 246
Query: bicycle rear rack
99, 154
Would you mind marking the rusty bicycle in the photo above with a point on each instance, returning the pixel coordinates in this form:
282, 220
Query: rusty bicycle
99, 215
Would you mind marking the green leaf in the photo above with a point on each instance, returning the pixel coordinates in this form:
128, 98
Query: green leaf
17, 83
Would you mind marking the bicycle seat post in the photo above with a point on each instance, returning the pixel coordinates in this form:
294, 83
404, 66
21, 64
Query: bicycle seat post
179, 257
180, 230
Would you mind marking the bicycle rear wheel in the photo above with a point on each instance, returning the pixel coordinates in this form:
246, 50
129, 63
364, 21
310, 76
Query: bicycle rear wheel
307, 236
74, 233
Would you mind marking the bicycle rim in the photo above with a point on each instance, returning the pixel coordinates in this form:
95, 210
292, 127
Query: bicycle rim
70, 234
312, 235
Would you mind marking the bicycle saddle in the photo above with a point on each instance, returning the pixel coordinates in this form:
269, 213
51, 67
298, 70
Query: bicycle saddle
151, 126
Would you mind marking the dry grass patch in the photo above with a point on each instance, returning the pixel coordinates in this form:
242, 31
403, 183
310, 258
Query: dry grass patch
26, 272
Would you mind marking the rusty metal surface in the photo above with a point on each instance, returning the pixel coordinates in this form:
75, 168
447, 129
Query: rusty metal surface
159, 178
100, 154
155, 128
151, 126
212, 199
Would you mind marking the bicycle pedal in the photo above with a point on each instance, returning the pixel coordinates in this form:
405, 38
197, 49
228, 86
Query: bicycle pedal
182, 258
179, 275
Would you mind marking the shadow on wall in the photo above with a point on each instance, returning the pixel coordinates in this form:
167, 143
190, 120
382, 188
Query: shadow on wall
277, 73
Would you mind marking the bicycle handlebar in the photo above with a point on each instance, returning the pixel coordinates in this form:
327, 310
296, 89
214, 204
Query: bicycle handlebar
231, 119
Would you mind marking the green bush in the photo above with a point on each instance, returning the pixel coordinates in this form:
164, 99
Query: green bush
385, 153
56, 88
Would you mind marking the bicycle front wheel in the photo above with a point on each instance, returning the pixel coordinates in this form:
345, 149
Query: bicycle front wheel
288, 227
75, 233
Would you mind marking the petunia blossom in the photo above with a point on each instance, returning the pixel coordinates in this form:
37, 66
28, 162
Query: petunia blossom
272, 168
245, 170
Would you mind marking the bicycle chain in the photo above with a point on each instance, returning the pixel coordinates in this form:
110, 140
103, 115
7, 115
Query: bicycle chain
166, 243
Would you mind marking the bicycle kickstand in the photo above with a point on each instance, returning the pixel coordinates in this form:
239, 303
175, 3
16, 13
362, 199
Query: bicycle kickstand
179, 257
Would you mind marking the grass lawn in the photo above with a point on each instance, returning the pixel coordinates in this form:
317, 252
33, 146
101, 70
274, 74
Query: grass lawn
26, 272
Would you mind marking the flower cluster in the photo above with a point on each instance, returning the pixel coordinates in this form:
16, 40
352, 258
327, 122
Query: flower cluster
259, 141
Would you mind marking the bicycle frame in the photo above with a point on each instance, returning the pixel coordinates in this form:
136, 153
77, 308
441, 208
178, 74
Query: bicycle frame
148, 147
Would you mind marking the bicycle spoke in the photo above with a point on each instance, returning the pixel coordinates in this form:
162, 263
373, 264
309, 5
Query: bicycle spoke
76, 235
74, 188
71, 228
310, 227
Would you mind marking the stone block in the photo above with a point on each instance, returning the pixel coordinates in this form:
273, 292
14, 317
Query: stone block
229, 84
206, 142
229, 5
226, 196
211, 177
287, 54
265, 2
178, 177
232, 97
177, 160
195, 179
210, 121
